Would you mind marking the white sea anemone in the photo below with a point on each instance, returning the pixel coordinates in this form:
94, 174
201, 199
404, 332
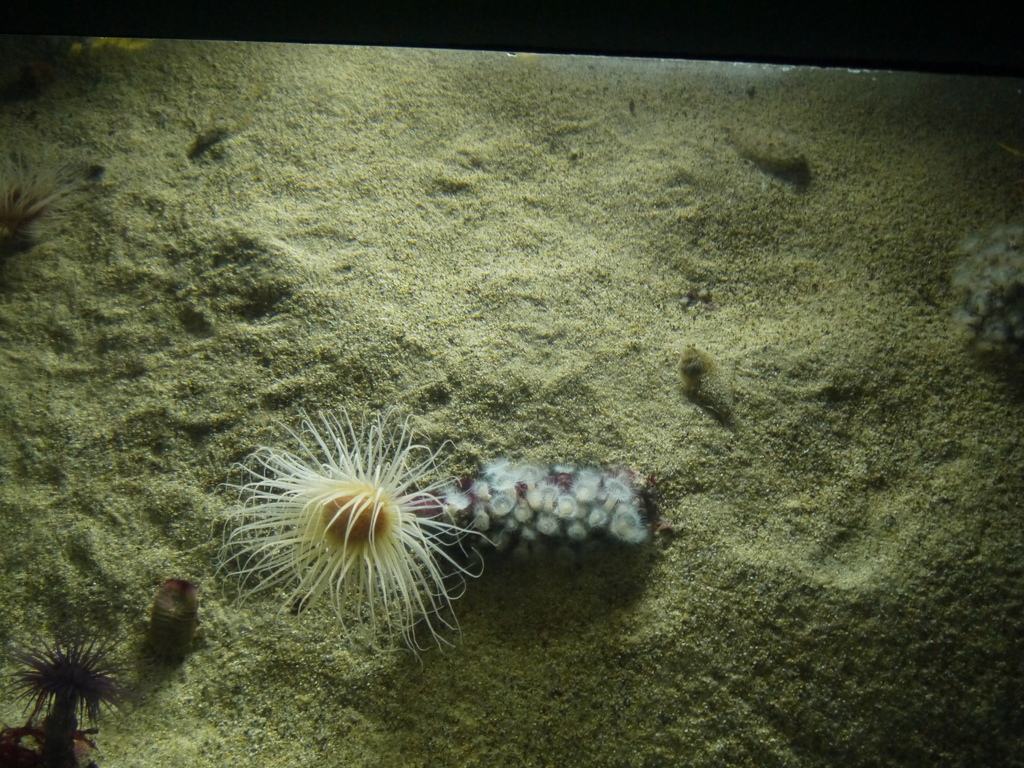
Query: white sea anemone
32, 201
351, 515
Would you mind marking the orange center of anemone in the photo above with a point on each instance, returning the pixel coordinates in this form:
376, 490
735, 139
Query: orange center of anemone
355, 519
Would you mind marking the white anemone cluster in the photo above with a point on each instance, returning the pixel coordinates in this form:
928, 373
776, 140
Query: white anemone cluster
991, 282
527, 507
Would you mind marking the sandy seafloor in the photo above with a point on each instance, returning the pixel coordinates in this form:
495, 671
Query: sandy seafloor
501, 247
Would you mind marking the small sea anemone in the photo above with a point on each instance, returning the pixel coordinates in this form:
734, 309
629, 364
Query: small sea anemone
31, 201
73, 678
353, 516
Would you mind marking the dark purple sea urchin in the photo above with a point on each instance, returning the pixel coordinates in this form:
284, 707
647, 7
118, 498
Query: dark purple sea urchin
73, 677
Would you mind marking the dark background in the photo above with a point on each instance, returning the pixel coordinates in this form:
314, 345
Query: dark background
969, 37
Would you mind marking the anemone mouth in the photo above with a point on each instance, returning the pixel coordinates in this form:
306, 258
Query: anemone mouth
357, 516
350, 518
